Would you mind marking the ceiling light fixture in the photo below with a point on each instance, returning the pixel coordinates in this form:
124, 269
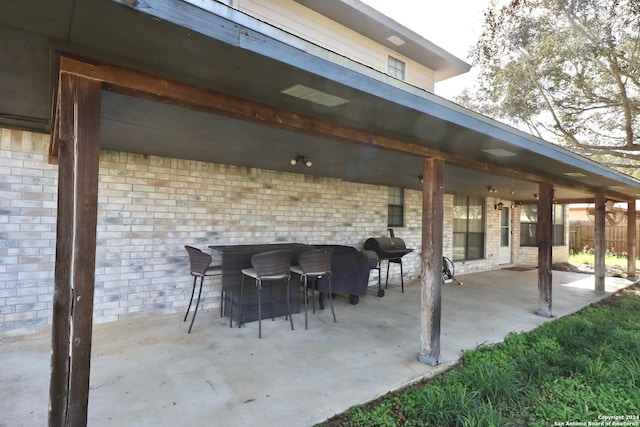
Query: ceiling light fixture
490, 189
301, 159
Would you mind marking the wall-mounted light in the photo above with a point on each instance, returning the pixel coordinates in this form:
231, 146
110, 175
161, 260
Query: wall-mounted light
498, 206
301, 159
535, 196
421, 178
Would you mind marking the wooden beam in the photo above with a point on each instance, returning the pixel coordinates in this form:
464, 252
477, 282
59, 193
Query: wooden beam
545, 247
431, 278
142, 85
632, 249
599, 242
78, 153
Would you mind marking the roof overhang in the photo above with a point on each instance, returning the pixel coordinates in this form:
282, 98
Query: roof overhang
223, 51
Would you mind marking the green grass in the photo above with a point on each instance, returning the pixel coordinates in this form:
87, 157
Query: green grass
587, 257
574, 369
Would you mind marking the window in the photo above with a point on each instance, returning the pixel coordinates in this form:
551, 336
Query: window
529, 225
396, 207
396, 68
558, 225
468, 228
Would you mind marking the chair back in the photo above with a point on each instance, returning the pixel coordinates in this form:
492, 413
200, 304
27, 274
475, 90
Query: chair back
272, 263
199, 260
315, 261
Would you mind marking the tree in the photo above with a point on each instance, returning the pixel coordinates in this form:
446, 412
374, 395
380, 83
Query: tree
567, 71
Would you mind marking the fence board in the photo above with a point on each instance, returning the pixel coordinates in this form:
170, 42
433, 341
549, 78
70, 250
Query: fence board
582, 237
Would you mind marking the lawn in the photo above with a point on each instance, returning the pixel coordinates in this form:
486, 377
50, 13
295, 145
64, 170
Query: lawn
611, 260
583, 369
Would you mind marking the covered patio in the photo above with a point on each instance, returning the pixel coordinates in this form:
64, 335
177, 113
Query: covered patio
150, 372
170, 79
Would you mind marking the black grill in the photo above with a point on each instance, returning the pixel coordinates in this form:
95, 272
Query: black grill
391, 249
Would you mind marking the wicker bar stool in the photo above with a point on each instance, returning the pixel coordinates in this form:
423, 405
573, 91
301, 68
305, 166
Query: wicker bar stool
271, 267
314, 265
200, 268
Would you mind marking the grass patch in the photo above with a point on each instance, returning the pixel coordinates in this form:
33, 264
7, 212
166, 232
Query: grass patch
610, 259
571, 370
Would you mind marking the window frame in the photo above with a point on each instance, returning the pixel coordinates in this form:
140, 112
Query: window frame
529, 229
395, 207
396, 68
469, 215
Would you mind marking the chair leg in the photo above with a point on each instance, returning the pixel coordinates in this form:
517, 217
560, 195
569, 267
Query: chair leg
314, 286
231, 310
221, 303
191, 300
306, 302
289, 305
241, 303
197, 304
401, 276
259, 284
273, 304
331, 300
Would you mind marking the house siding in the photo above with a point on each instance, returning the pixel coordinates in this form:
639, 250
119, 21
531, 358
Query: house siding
318, 29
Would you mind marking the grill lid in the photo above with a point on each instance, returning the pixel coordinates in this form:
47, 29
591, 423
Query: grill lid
387, 247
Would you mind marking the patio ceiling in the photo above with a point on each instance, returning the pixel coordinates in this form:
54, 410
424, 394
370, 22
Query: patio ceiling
224, 50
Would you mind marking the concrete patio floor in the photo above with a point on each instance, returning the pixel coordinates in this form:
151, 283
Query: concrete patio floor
150, 372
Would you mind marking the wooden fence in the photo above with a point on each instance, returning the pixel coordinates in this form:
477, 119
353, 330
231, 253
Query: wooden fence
582, 236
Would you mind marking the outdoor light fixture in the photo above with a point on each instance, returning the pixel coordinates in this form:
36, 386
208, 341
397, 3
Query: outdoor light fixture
421, 178
301, 159
498, 206
490, 189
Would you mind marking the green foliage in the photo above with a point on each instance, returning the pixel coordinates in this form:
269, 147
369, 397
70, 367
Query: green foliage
568, 71
610, 259
572, 369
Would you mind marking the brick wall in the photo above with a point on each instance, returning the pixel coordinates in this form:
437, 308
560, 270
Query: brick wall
28, 198
150, 207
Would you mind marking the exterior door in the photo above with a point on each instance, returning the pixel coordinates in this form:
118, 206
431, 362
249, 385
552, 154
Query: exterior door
505, 236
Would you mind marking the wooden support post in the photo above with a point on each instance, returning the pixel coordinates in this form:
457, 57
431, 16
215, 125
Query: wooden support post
599, 243
78, 119
431, 279
545, 248
632, 249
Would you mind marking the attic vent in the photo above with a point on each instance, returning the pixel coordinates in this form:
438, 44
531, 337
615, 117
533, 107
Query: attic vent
499, 152
314, 95
395, 40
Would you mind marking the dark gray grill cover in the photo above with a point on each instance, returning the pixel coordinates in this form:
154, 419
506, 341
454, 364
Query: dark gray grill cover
387, 247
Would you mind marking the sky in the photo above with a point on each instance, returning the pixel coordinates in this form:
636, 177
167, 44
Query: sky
454, 25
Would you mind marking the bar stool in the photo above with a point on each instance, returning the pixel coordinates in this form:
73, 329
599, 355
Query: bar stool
269, 266
200, 267
314, 264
